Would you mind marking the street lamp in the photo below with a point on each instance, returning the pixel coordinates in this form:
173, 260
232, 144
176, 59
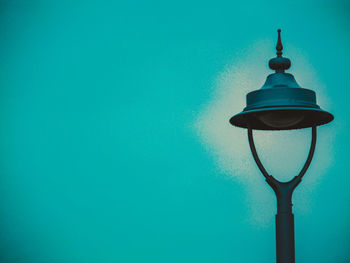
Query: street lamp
281, 104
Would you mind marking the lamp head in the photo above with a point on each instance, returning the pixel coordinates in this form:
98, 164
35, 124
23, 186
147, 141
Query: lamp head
281, 104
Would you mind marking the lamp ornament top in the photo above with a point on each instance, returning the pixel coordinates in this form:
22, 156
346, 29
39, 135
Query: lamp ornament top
279, 63
279, 46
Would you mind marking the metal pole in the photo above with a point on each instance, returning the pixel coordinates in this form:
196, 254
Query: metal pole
285, 245
285, 248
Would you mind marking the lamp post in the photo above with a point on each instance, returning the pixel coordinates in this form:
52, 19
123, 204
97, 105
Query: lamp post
281, 104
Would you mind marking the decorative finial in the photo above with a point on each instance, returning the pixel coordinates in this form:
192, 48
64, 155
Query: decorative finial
280, 64
279, 46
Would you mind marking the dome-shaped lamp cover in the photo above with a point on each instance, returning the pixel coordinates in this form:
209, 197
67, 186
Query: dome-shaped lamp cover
281, 104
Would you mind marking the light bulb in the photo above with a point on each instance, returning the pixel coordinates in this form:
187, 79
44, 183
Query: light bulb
281, 119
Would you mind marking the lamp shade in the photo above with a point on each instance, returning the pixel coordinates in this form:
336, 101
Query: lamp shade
281, 104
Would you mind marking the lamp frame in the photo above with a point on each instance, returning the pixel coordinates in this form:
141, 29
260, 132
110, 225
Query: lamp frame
285, 244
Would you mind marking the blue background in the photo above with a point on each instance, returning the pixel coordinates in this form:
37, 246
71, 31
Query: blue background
98, 160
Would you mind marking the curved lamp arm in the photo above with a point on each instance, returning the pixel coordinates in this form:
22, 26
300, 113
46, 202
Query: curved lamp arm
311, 153
255, 154
262, 168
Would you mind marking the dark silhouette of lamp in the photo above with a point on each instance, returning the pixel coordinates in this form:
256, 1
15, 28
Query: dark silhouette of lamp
281, 104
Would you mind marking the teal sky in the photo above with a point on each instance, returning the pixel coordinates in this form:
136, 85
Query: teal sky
115, 143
